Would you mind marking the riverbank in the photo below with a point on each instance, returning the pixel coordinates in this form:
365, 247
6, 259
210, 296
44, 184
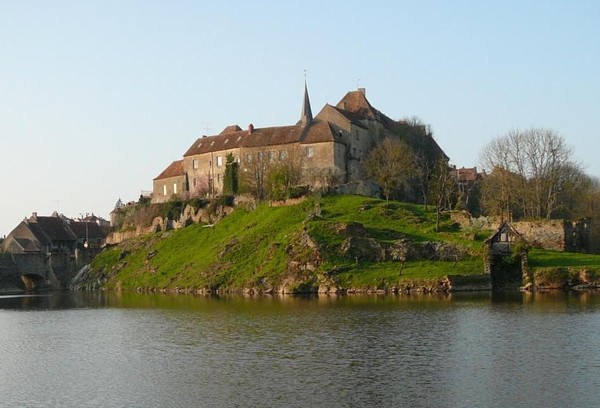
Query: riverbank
342, 244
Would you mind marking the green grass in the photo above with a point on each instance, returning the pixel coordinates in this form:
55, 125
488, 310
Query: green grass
253, 249
539, 258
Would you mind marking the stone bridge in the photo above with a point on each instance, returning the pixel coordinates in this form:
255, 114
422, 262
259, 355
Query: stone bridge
36, 271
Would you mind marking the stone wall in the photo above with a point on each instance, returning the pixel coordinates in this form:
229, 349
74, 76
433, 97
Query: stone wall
10, 279
557, 235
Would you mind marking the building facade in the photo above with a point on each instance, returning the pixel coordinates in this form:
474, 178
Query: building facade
327, 148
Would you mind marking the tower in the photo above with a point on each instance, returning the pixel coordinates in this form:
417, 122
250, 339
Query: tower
306, 116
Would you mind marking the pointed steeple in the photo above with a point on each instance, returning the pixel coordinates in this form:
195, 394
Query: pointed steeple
307, 116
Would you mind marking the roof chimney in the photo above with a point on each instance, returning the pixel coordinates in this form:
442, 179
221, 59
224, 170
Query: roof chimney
250, 128
363, 91
34, 215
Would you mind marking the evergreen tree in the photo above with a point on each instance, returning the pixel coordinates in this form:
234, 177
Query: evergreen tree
230, 178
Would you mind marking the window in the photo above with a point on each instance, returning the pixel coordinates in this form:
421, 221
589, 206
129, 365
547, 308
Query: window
282, 155
248, 158
165, 189
219, 178
219, 161
261, 156
195, 164
195, 181
310, 151
271, 157
174, 188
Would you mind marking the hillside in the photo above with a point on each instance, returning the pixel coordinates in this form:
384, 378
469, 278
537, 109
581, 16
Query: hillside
340, 242
329, 244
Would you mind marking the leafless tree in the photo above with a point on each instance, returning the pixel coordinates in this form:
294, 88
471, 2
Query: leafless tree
544, 166
443, 188
391, 165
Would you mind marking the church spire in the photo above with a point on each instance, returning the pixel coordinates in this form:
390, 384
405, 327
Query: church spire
307, 116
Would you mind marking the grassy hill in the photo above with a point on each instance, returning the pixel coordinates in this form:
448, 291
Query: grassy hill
341, 242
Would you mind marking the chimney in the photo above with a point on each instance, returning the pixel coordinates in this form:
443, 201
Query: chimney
34, 215
250, 128
363, 91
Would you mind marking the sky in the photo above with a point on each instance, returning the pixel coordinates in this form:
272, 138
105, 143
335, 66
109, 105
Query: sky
98, 97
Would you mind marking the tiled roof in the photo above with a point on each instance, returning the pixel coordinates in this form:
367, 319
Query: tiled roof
464, 174
268, 136
357, 103
230, 129
321, 131
175, 169
351, 116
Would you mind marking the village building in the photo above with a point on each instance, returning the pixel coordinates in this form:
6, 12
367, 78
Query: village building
328, 148
55, 233
467, 181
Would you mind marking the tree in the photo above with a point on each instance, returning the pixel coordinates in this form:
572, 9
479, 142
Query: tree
424, 173
231, 177
442, 189
273, 174
542, 162
254, 174
391, 165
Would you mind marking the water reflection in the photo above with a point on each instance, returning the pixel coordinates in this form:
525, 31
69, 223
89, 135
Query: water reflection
128, 349
552, 300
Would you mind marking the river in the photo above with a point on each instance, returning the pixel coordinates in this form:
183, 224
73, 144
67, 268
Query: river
97, 349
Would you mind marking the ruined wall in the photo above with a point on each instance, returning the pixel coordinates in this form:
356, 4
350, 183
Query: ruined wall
557, 235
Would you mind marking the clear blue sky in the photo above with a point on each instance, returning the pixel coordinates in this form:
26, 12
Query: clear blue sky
98, 97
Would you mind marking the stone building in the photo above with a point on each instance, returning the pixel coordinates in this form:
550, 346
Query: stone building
56, 233
328, 147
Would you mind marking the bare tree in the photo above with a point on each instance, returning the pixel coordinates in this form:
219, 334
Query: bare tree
544, 166
273, 173
391, 165
442, 189
424, 173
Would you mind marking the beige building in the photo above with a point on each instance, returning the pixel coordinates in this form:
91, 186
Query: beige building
327, 148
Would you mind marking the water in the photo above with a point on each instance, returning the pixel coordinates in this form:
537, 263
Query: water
130, 350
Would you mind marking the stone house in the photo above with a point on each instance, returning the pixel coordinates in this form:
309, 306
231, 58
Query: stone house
56, 233
170, 182
328, 147
467, 182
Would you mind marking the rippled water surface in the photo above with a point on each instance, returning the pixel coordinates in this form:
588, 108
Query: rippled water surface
130, 350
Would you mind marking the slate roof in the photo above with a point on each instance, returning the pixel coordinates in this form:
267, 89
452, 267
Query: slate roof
173, 170
28, 245
54, 228
93, 230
